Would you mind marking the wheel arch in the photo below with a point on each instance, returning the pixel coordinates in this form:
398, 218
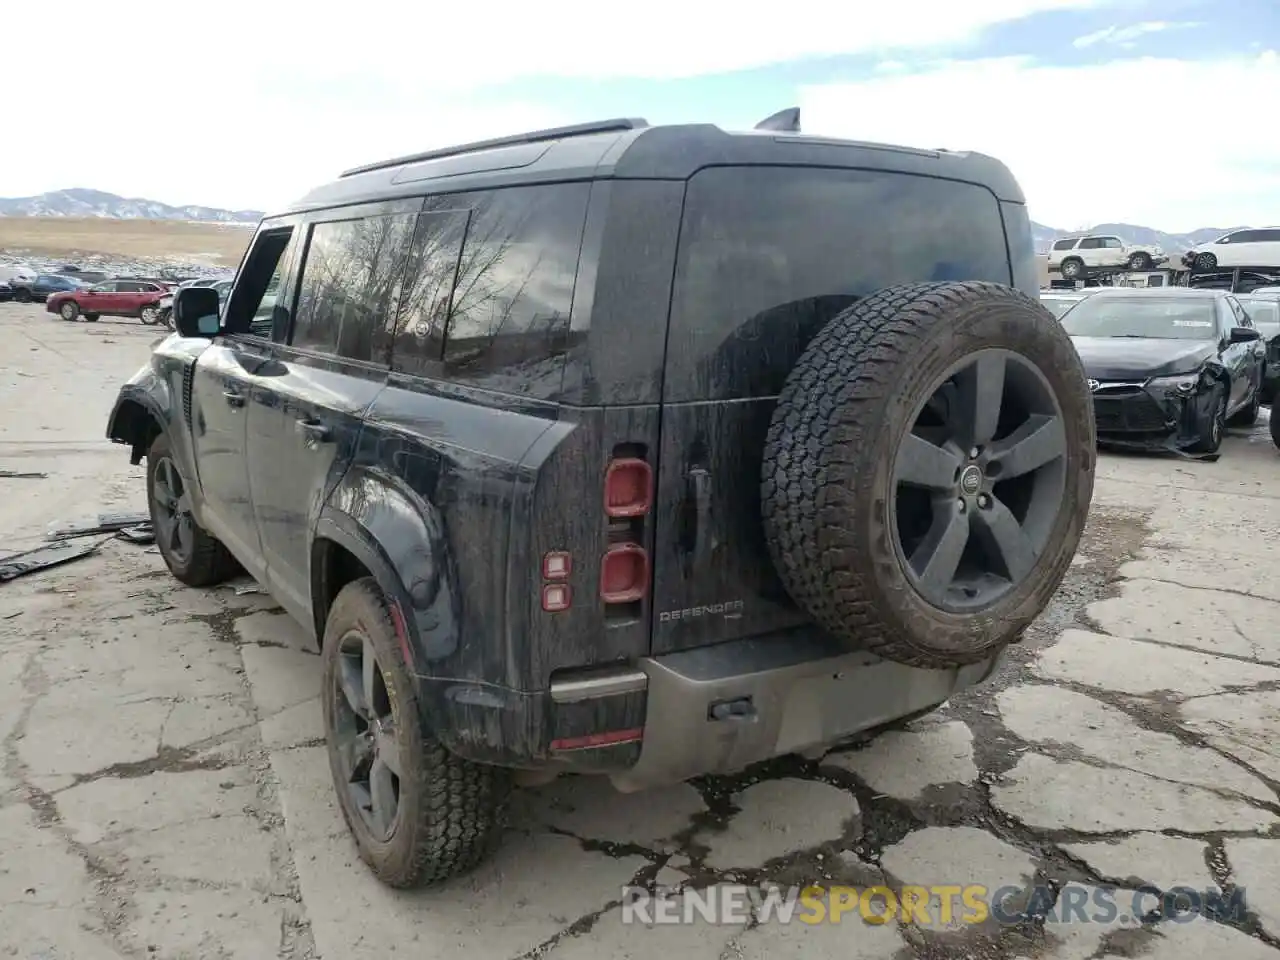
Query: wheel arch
372, 522
138, 418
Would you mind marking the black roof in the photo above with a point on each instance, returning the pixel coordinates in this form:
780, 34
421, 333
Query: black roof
631, 149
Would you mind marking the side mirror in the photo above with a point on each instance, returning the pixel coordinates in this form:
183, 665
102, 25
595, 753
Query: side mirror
1244, 335
195, 312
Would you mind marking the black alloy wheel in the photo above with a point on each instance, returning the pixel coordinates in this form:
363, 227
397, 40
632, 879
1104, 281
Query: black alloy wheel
978, 481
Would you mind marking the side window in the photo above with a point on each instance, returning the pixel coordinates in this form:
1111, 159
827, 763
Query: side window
128, 286
108, 286
1112, 243
424, 306
1268, 236
1091, 243
1064, 244
509, 321
252, 307
350, 285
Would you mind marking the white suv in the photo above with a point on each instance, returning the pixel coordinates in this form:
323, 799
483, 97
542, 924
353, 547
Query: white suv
1072, 256
1240, 248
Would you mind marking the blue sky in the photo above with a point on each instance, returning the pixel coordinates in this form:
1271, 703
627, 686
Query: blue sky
1105, 109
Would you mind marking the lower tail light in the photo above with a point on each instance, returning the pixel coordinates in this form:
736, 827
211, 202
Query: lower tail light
556, 597
624, 574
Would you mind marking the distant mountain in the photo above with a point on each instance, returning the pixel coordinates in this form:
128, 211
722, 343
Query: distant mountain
1170, 243
95, 203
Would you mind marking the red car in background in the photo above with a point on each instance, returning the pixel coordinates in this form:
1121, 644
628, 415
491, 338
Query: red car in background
112, 298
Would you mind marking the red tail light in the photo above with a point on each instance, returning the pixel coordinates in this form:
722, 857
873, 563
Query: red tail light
628, 488
624, 574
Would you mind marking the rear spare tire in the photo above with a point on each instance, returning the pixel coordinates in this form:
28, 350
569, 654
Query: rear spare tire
928, 471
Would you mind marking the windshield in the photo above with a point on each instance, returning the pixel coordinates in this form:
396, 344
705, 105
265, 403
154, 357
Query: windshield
1165, 318
1058, 307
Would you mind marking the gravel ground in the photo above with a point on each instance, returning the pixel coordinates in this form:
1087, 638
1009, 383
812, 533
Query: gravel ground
164, 789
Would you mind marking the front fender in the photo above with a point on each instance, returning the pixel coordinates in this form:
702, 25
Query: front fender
400, 538
143, 404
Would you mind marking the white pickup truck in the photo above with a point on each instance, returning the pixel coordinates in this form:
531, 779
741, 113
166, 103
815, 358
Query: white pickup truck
1075, 256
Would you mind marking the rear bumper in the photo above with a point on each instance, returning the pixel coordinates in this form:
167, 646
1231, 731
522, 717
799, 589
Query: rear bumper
796, 696
710, 710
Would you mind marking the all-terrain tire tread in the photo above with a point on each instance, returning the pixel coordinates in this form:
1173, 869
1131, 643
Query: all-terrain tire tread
463, 807
829, 413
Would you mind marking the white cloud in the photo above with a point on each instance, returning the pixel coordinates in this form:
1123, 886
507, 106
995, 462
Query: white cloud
248, 102
1124, 36
1148, 141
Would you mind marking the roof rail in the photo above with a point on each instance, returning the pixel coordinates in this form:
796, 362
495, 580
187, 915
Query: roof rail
553, 133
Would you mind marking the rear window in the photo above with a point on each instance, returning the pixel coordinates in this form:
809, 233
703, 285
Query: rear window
769, 254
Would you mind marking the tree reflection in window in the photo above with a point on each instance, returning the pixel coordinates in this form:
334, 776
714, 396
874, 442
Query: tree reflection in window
509, 318
350, 282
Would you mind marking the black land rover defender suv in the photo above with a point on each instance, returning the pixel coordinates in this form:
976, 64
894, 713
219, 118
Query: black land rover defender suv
647, 452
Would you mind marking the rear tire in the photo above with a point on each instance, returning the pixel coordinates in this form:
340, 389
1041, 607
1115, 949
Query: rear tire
149, 315
192, 555
1140, 261
1205, 261
1071, 268
839, 488
448, 812
22, 295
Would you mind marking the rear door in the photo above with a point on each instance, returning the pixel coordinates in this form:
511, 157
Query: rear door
767, 255
325, 369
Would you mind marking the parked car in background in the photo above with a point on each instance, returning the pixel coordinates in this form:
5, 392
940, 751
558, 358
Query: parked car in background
1264, 310
43, 285
1235, 280
1240, 248
6, 292
1077, 256
9, 273
1168, 368
114, 298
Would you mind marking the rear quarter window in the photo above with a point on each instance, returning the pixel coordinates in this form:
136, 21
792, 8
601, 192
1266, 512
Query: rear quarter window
768, 254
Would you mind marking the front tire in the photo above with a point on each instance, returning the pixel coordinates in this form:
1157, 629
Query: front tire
69, 311
1140, 261
22, 295
928, 471
1249, 415
1211, 431
192, 555
418, 814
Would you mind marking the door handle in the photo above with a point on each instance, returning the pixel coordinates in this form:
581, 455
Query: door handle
699, 482
233, 399
313, 432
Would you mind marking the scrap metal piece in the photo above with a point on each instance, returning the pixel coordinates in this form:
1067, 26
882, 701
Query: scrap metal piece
141, 534
41, 558
22, 475
105, 523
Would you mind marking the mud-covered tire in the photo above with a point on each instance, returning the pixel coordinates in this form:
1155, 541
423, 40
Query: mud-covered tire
828, 481
206, 562
450, 811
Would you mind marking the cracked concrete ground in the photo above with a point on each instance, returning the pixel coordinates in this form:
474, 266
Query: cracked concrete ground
164, 790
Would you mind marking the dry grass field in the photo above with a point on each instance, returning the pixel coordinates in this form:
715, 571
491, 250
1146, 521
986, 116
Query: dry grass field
213, 243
